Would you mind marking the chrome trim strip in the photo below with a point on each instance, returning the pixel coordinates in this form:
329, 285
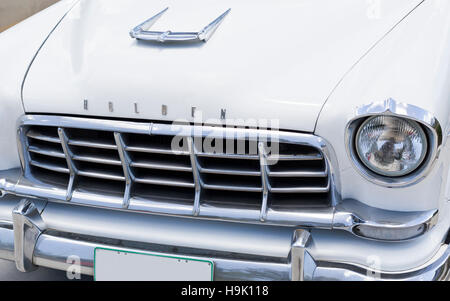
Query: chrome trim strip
50, 166
222, 171
75, 142
24, 155
98, 175
153, 150
46, 152
96, 159
301, 189
299, 174
264, 180
196, 174
296, 157
80, 123
70, 164
392, 107
141, 32
232, 188
231, 156
401, 109
160, 166
158, 181
39, 136
128, 173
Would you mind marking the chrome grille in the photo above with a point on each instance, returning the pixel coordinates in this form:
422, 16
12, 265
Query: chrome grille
132, 165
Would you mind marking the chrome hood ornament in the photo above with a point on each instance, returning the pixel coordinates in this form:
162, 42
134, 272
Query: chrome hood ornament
141, 32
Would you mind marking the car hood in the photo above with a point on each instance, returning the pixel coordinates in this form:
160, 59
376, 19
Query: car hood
268, 60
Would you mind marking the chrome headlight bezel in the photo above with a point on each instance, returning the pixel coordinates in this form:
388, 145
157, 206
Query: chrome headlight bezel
415, 126
390, 107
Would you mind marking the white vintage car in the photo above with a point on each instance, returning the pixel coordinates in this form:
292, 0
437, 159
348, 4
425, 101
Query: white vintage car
228, 140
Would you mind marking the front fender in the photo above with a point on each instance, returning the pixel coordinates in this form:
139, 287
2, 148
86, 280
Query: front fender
18, 46
410, 65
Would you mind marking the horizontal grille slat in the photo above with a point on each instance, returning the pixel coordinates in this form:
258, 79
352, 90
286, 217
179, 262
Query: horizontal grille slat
296, 157
46, 151
162, 166
101, 175
227, 156
234, 165
232, 188
147, 174
299, 190
300, 174
92, 144
97, 159
49, 166
154, 150
238, 172
36, 134
156, 181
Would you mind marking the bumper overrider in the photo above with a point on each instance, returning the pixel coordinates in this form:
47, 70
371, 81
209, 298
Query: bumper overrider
36, 232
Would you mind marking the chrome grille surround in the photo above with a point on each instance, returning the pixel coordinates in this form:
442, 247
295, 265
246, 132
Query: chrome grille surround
111, 163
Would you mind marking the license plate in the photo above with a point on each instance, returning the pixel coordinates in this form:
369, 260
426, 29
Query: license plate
119, 265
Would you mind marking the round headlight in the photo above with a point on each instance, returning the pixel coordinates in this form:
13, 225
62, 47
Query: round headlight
391, 146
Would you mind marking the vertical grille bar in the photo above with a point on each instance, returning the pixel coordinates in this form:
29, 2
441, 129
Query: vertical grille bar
129, 177
70, 164
196, 174
264, 180
23, 151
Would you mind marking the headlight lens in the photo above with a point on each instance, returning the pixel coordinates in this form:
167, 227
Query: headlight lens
391, 146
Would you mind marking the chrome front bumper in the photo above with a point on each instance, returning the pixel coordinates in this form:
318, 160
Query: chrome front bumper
39, 233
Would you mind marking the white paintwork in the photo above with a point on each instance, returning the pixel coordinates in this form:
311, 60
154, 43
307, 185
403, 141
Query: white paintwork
18, 46
267, 60
411, 65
